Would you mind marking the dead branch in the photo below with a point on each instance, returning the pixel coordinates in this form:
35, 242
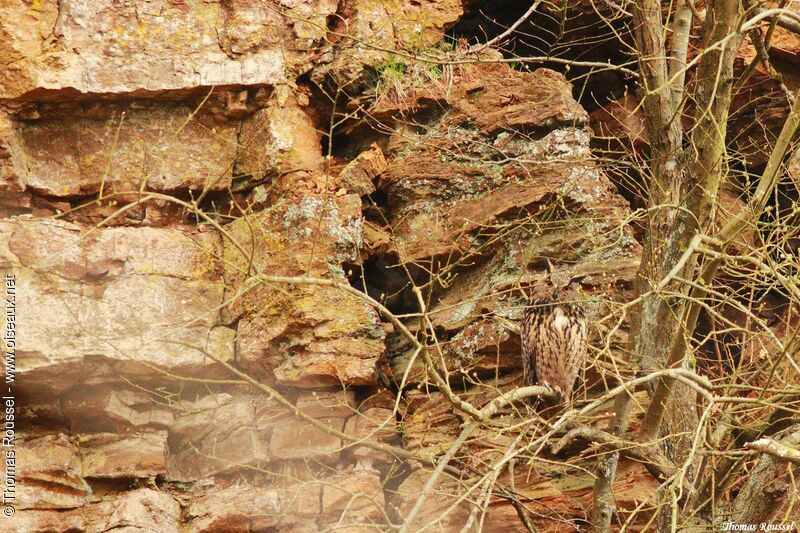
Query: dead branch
776, 449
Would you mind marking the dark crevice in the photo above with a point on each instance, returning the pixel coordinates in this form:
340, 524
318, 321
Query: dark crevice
375, 207
385, 280
568, 31
85, 207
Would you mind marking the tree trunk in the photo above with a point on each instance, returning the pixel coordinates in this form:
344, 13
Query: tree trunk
768, 485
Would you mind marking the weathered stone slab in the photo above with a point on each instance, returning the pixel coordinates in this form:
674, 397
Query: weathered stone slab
292, 509
97, 302
103, 47
222, 433
111, 455
298, 334
48, 472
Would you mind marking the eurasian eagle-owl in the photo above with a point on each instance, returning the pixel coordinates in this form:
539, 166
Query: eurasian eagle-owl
553, 335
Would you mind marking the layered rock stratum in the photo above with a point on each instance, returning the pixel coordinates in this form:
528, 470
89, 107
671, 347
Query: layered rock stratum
181, 224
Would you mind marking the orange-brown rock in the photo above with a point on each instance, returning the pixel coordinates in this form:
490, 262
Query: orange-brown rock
90, 48
107, 408
518, 184
278, 140
328, 403
293, 508
437, 204
354, 499
621, 121
367, 31
144, 144
222, 433
48, 473
298, 440
785, 43
135, 510
166, 166
359, 175
440, 509
303, 335
111, 300
111, 455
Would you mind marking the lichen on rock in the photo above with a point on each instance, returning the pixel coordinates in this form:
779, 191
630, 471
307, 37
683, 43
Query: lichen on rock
217, 214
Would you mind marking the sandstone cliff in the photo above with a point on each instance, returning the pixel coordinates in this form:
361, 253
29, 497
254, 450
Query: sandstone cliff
215, 209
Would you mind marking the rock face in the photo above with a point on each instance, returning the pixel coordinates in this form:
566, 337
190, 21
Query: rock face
308, 336
90, 47
210, 208
119, 123
498, 181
